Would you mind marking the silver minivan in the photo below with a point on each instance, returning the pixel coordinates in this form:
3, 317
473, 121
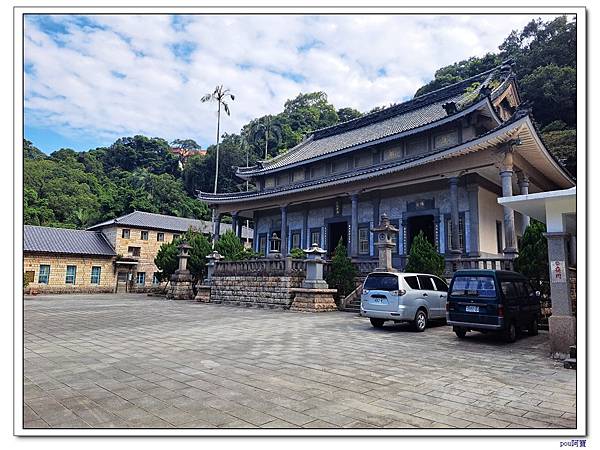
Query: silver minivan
403, 297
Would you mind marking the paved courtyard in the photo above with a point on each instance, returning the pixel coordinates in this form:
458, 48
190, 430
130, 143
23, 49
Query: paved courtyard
136, 361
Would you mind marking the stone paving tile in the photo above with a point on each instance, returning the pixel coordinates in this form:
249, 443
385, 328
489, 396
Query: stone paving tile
136, 361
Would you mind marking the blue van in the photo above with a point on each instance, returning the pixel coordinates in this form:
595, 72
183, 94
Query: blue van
492, 300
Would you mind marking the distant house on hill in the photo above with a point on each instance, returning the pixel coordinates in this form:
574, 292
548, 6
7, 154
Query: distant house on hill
117, 254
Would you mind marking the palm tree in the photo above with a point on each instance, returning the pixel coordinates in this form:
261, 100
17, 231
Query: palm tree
219, 95
266, 130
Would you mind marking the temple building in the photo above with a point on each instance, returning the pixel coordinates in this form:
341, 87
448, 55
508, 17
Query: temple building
435, 164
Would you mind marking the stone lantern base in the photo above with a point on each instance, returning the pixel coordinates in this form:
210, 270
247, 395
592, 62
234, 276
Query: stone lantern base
202, 293
181, 287
313, 300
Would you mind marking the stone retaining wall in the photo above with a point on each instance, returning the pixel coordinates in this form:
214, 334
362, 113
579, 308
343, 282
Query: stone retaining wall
254, 291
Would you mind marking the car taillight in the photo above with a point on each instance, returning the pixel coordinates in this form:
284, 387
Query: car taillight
399, 293
500, 311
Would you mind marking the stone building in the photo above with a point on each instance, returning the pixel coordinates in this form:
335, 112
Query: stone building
61, 260
116, 255
137, 237
435, 164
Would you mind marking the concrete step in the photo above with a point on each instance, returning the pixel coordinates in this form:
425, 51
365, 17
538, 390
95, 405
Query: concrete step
573, 351
570, 363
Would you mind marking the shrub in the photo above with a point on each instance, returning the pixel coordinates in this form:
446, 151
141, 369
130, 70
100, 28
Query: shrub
343, 273
533, 256
424, 258
297, 253
231, 247
167, 260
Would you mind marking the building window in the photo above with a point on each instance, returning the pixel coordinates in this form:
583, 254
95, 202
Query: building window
71, 274
317, 171
499, 236
29, 276
339, 165
95, 279
133, 251
156, 278
363, 240
125, 233
296, 239
262, 244
315, 237
298, 175
140, 278
461, 233
176, 236
447, 139
144, 235
416, 146
160, 237
44, 275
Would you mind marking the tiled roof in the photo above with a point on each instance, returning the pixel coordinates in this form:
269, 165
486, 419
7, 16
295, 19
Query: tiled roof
141, 219
64, 240
415, 113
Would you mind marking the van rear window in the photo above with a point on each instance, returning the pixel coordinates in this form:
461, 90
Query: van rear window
474, 286
381, 282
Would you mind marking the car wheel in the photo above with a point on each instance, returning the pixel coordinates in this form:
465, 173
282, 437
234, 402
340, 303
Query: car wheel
460, 332
532, 328
377, 323
510, 334
420, 322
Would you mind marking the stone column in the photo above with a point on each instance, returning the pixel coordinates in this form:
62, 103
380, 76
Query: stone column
473, 195
284, 240
354, 227
376, 206
506, 173
454, 217
523, 181
234, 222
562, 323
217, 229
305, 232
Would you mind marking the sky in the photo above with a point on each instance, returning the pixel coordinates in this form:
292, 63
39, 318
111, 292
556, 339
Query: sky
92, 79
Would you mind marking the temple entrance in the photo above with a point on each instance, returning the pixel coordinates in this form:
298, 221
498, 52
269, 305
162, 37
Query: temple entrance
416, 224
335, 232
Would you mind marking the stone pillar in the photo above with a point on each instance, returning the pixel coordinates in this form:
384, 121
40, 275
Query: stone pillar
454, 217
562, 323
523, 181
473, 195
506, 173
284, 239
305, 232
376, 206
354, 227
217, 229
384, 233
234, 222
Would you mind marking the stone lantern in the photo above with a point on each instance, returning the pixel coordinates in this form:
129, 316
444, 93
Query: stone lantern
181, 281
314, 295
314, 268
203, 287
275, 252
385, 233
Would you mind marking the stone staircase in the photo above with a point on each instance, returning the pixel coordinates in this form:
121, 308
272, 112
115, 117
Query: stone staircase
571, 361
352, 302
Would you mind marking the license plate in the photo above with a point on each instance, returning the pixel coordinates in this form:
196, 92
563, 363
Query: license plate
471, 308
379, 301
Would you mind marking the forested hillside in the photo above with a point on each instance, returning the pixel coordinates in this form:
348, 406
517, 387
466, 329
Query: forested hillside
77, 189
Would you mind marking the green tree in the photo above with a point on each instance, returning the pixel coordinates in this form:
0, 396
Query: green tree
342, 275
32, 152
188, 144
201, 247
533, 256
346, 114
563, 145
231, 247
424, 258
166, 260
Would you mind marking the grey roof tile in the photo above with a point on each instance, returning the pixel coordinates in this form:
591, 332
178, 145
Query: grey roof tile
415, 113
64, 240
141, 219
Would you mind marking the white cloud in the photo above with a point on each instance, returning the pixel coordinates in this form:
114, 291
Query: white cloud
108, 76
